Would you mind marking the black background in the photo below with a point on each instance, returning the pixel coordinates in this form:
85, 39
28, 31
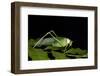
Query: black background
75, 28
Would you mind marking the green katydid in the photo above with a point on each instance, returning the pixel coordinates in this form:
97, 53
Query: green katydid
54, 41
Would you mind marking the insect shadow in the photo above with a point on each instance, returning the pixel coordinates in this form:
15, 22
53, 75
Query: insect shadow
60, 51
50, 55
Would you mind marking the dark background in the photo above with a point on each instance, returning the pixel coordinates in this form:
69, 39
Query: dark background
75, 28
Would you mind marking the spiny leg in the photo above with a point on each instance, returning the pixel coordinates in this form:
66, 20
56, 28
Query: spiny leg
41, 39
51, 33
56, 39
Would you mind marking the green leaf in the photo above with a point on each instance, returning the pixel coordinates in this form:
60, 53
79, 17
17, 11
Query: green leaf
37, 54
77, 53
59, 55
